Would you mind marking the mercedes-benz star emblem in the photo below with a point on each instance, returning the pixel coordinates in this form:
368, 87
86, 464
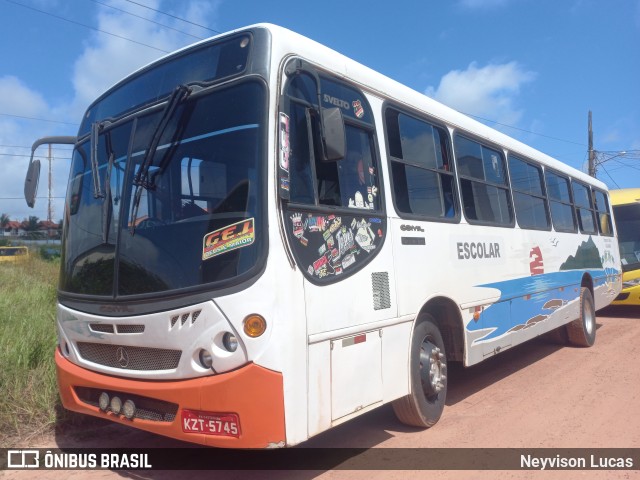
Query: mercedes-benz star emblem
122, 358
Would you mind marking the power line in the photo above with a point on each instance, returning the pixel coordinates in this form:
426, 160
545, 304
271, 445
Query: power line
38, 119
29, 148
173, 16
87, 26
22, 198
614, 182
35, 156
523, 130
148, 20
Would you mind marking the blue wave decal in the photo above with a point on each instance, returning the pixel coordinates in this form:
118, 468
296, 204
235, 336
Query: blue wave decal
532, 298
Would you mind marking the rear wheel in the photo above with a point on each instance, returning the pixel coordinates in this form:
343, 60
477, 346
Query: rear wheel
428, 377
582, 331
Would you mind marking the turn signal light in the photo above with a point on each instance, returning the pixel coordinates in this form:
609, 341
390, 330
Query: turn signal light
254, 325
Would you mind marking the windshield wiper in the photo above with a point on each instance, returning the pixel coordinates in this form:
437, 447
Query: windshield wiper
95, 134
107, 209
141, 180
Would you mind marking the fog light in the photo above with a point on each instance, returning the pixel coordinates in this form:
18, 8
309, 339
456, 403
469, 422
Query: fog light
230, 342
254, 325
103, 401
129, 409
116, 405
206, 360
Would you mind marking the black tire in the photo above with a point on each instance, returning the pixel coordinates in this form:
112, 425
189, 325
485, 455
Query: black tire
582, 331
428, 386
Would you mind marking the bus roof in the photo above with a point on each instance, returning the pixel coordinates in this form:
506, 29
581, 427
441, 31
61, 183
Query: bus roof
287, 42
624, 196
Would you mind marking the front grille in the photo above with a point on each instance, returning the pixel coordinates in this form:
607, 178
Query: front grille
101, 327
129, 358
130, 328
146, 408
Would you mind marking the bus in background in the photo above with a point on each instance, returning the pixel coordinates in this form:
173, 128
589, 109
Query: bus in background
264, 239
626, 212
14, 254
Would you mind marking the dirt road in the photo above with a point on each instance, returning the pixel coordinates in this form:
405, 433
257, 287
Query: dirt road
538, 395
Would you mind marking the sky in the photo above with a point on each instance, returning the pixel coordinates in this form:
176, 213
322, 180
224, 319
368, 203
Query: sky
530, 68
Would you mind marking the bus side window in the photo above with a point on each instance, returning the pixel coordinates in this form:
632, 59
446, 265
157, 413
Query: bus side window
603, 213
349, 182
528, 194
357, 172
420, 163
584, 208
483, 181
562, 213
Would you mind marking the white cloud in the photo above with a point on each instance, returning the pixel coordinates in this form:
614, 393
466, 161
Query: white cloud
487, 92
18, 99
108, 58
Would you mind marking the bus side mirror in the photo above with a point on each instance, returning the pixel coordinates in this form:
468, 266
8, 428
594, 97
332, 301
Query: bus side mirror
33, 172
31, 182
334, 136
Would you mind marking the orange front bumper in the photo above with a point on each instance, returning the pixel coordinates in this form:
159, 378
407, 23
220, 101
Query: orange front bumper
252, 392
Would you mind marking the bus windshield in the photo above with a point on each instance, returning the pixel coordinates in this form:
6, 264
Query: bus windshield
628, 224
193, 216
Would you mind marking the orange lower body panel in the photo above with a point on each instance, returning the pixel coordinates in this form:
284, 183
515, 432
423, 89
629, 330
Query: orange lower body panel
252, 392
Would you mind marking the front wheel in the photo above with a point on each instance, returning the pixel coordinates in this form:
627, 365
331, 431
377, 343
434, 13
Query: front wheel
428, 377
582, 331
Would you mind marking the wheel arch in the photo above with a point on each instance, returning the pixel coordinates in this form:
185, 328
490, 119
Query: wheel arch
447, 317
587, 281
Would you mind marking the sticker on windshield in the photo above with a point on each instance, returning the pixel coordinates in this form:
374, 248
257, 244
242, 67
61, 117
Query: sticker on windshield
225, 239
358, 109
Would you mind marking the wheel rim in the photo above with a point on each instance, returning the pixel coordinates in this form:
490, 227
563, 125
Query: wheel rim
433, 368
589, 316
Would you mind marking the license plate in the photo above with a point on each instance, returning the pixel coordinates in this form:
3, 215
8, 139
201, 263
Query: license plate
208, 423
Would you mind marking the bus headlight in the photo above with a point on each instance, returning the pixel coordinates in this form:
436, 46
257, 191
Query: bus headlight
103, 401
116, 405
206, 360
230, 342
129, 409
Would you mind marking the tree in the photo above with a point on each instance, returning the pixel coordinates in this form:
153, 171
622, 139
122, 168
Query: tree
4, 221
32, 227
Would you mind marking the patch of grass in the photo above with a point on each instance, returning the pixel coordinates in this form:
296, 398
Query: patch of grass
27, 342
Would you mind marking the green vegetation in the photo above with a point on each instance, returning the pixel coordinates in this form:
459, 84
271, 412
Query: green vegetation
29, 399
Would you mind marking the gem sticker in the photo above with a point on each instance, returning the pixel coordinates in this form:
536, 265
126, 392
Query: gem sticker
225, 239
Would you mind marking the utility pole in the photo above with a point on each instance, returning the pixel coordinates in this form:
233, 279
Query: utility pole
592, 153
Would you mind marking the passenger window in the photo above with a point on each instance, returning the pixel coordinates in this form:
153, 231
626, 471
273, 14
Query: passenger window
483, 182
584, 208
528, 195
560, 200
603, 213
420, 163
357, 172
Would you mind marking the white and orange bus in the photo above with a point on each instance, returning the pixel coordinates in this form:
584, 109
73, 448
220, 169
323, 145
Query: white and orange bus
264, 239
